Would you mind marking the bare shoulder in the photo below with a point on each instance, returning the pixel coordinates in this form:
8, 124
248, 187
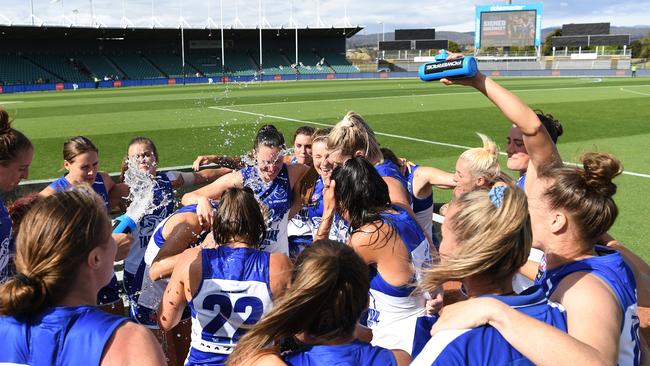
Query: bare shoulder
132, 344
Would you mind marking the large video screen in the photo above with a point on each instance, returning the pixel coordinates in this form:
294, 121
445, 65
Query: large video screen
508, 28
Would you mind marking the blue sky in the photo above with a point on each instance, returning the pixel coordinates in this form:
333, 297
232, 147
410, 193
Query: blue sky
453, 15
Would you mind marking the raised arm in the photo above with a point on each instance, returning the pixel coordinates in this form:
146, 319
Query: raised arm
180, 232
214, 189
184, 280
201, 196
430, 176
540, 147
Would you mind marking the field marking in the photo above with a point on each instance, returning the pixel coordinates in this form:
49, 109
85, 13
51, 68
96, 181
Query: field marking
515, 91
11, 102
635, 92
641, 175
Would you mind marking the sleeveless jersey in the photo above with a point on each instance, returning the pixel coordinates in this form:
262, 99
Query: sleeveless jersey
234, 294
388, 169
151, 292
276, 196
134, 265
610, 267
7, 251
340, 230
75, 335
62, 184
110, 293
423, 208
485, 345
352, 354
393, 312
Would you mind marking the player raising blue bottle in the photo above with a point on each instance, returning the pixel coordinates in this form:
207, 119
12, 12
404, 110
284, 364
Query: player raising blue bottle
391, 243
272, 181
65, 255
228, 287
319, 311
486, 237
570, 209
16, 153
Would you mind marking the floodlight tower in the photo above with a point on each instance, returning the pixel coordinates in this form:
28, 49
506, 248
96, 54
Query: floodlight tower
154, 21
346, 20
223, 46
7, 20
125, 22
34, 19
237, 22
294, 24
209, 23
181, 20
64, 19
319, 21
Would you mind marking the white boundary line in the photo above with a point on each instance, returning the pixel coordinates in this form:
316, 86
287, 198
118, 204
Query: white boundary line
642, 175
11, 102
635, 92
515, 91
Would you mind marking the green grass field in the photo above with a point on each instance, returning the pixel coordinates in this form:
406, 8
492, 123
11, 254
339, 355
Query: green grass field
410, 116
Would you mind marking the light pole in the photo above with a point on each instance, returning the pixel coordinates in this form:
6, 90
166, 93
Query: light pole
383, 38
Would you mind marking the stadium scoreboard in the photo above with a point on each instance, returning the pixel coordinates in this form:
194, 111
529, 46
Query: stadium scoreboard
508, 25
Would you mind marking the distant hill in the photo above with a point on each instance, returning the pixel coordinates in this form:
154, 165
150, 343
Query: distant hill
467, 38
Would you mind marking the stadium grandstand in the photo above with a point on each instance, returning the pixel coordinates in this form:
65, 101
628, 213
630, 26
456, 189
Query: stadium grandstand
45, 55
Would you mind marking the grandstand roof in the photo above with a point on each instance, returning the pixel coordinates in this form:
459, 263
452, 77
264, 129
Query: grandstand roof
78, 33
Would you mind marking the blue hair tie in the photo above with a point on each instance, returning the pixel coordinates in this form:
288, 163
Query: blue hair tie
496, 195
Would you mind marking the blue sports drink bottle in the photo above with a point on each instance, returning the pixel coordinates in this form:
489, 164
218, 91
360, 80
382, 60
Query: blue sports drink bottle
462, 67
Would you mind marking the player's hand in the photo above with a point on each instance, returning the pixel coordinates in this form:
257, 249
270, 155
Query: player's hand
200, 161
329, 202
205, 213
468, 314
124, 242
460, 81
435, 304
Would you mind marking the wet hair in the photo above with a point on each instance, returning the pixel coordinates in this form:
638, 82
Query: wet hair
352, 134
585, 193
552, 125
491, 241
12, 141
19, 208
137, 140
328, 293
360, 191
239, 217
320, 134
56, 238
145, 141
303, 130
76, 146
484, 161
269, 136
388, 154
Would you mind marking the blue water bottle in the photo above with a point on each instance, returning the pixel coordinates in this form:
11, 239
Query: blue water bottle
123, 225
462, 67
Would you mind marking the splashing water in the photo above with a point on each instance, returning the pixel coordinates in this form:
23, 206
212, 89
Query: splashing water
141, 191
